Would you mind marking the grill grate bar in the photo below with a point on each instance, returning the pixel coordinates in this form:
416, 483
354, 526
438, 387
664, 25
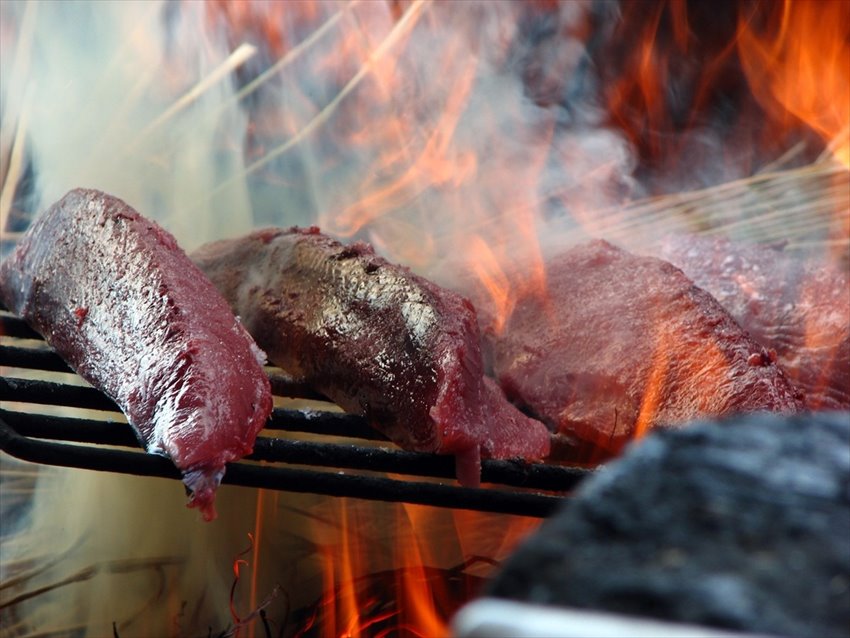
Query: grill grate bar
285, 479
12, 326
53, 393
47, 360
348, 456
73, 441
15, 357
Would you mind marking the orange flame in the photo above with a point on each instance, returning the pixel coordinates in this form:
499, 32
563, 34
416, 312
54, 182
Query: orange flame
703, 370
486, 267
670, 61
238, 563
505, 289
654, 390
435, 165
414, 577
798, 64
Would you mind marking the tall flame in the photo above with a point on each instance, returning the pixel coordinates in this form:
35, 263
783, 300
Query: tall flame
410, 583
798, 63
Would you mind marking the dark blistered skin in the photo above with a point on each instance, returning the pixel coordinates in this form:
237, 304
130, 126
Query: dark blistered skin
798, 307
126, 308
375, 338
623, 344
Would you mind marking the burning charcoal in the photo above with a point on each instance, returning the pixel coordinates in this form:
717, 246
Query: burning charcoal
376, 339
118, 299
798, 307
743, 525
622, 344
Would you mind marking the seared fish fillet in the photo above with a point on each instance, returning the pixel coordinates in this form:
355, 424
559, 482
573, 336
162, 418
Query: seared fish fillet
118, 299
376, 339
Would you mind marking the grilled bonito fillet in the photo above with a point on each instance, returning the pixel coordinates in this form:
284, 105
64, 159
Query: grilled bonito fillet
797, 306
376, 339
620, 344
119, 300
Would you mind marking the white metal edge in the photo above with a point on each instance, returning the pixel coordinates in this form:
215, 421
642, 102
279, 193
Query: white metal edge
496, 618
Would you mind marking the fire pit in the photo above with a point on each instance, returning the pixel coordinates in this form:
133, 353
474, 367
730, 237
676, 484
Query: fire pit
465, 140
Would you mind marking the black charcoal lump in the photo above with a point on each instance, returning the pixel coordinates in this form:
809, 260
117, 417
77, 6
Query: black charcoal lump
742, 525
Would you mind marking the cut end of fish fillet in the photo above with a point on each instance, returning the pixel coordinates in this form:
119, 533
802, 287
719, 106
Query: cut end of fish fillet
512, 434
468, 467
202, 484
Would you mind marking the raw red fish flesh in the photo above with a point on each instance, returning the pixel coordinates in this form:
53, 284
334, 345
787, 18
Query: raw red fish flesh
376, 339
621, 344
119, 300
798, 306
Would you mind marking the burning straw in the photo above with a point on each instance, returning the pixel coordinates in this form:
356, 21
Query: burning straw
402, 27
805, 207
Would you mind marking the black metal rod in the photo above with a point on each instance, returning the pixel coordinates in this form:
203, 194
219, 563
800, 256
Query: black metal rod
323, 422
283, 479
384, 489
50, 393
16, 357
285, 386
42, 392
513, 473
43, 426
516, 474
12, 326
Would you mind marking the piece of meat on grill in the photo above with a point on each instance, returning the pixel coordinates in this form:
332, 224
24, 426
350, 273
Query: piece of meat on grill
621, 344
376, 339
119, 300
797, 306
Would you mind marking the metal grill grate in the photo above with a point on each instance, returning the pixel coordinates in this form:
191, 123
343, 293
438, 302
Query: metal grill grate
301, 450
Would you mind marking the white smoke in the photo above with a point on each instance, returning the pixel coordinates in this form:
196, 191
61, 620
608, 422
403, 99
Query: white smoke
93, 81
91, 88
405, 123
